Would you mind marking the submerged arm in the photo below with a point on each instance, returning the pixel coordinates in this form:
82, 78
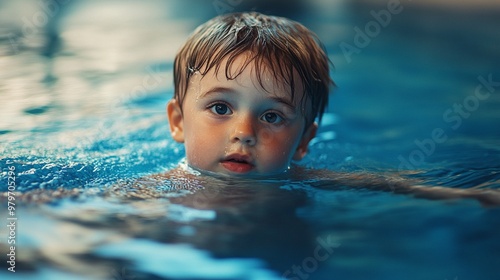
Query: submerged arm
400, 185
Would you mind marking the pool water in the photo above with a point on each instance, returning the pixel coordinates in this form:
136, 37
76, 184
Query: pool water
84, 87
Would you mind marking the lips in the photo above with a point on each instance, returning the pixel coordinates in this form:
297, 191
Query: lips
238, 163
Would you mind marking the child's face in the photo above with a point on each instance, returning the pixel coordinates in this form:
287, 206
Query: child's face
236, 127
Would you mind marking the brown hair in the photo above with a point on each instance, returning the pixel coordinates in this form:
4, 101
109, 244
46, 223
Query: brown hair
278, 44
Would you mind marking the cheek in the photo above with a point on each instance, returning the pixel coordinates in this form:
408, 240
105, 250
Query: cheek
276, 137
281, 138
198, 154
203, 142
207, 141
266, 136
279, 146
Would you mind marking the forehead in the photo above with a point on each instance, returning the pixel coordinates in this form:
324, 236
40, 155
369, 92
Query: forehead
251, 72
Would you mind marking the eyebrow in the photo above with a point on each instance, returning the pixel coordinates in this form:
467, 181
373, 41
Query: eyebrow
285, 102
217, 89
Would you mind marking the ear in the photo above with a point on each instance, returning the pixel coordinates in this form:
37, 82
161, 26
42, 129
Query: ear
304, 142
175, 120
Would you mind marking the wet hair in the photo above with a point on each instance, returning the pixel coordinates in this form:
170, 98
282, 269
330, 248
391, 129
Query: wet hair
281, 46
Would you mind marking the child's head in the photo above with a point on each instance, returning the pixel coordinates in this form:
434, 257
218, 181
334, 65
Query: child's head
248, 88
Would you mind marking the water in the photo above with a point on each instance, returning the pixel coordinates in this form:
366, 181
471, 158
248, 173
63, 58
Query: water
83, 96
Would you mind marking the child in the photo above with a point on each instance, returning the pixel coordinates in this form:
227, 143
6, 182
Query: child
248, 90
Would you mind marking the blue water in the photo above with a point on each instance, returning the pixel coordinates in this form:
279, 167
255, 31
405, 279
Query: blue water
83, 97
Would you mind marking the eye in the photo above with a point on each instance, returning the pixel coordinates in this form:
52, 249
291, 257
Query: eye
220, 109
272, 118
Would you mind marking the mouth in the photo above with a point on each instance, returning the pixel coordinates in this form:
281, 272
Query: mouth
237, 163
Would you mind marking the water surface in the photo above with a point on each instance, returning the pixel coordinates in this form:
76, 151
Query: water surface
83, 97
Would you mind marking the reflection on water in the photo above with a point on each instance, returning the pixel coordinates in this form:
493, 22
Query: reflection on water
240, 230
246, 228
84, 85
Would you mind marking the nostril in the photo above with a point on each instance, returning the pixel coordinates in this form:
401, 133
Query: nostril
250, 141
245, 139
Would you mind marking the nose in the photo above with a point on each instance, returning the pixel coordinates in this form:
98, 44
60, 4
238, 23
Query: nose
244, 132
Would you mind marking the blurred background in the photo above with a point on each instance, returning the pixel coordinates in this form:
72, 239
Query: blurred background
83, 89
86, 79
